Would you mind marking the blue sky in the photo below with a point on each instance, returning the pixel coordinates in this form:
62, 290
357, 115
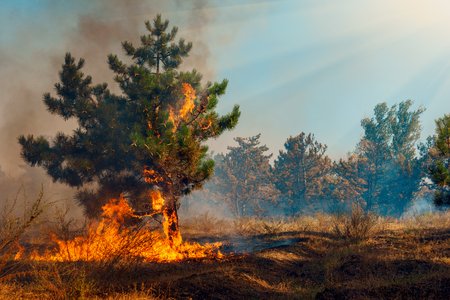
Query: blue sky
315, 66
321, 66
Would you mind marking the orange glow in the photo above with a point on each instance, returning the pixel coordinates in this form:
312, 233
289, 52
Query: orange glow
189, 97
170, 220
117, 210
19, 253
187, 107
110, 239
157, 201
207, 126
150, 176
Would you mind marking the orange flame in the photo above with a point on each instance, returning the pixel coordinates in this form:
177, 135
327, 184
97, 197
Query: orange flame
157, 201
150, 176
187, 107
20, 254
110, 239
117, 210
189, 97
171, 221
208, 125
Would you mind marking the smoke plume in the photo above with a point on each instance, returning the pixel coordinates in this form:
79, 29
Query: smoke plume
29, 67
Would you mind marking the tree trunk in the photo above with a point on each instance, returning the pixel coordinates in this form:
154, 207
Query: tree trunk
171, 226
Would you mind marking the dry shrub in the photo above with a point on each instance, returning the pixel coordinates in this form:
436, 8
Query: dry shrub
12, 228
10, 291
63, 226
87, 280
109, 246
63, 281
356, 226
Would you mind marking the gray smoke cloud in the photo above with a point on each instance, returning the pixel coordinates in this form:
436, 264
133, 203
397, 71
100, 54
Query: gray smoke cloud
29, 67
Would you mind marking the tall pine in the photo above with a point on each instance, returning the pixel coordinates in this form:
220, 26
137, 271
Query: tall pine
243, 179
151, 136
300, 171
387, 150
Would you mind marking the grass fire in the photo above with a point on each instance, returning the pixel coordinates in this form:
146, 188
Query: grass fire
110, 239
139, 177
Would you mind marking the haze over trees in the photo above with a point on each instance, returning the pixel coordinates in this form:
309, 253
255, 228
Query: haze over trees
387, 154
299, 171
243, 180
384, 173
151, 136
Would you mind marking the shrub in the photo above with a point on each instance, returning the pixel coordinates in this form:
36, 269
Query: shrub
12, 228
357, 225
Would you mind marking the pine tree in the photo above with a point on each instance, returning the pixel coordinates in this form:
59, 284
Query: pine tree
439, 161
300, 169
347, 183
151, 136
243, 177
388, 155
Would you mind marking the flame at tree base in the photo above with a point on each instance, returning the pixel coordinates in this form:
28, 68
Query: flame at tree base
111, 240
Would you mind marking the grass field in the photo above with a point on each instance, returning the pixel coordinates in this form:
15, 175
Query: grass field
312, 257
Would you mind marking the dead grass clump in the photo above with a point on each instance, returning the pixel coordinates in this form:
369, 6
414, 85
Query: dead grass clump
63, 281
12, 228
85, 280
356, 226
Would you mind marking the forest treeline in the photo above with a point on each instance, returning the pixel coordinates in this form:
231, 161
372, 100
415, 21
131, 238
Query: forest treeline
385, 172
151, 137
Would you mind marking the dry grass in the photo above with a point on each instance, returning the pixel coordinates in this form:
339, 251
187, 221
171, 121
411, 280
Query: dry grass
12, 228
248, 226
367, 257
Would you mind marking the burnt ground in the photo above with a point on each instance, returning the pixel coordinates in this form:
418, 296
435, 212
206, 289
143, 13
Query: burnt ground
394, 265
404, 264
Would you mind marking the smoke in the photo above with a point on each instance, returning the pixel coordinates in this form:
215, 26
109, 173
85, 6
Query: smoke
203, 203
422, 204
196, 29
30, 62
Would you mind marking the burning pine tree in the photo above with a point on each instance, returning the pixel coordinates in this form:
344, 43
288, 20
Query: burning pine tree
146, 143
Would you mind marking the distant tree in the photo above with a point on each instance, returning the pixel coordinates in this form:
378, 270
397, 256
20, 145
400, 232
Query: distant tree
243, 179
438, 167
300, 169
150, 136
388, 154
348, 183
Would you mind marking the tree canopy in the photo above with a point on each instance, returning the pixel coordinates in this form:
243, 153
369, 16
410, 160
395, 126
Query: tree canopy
151, 135
300, 169
387, 154
243, 178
